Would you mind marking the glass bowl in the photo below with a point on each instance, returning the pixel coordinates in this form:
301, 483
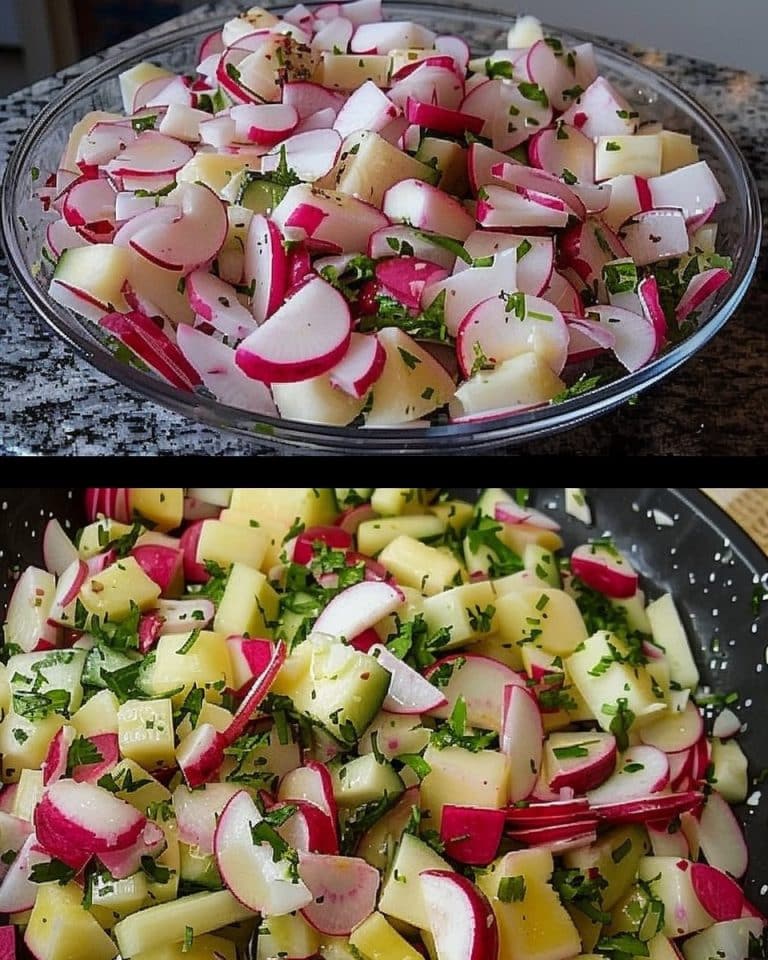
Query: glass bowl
680, 542
23, 227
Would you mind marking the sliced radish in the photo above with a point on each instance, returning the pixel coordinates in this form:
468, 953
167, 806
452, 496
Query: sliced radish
641, 771
535, 258
90, 203
358, 607
306, 336
717, 893
56, 759
656, 807
499, 329
309, 829
650, 302
721, 837
252, 870
217, 303
524, 179
311, 783
73, 821
701, 288
565, 836
428, 208
408, 691
343, 892
551, 73
334, 35
59, 552
457, 49
149, 154
192, 240
481, 682
59, 236
552, 813
587, 247
197, 811
521, 739
480, 161
605, 569
580, 761
676, 730
127, 861
636, 342
360, 367
471, 834
383, 37
694, 189
311, 154
264, 123
405, 240
453, 122
601, 111
587, 339
67, 588
17, 891
655, 235
499, 207
561, 150
265, 267
368, 108
405, 278
726, 724
255, 695
200, 754
328, 222
309, 98
142, 336
462, 922
510, 511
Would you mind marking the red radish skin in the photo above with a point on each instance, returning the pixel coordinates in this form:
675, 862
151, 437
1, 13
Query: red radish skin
255, 695
150, 629
194, 571
471, 834
200, 754
101, 561
311, 783
649, 808
55, 763
701, 288
440, 118
8, 943
365, 640
509, 511
163, 565
551, 834
334, 537
718, 893
250, 657
585, 773
461, 919
360, 367
310, 829
405, 278
137, 332
553, 813
351, 519
607, 571
14, 831
125, 862
358, 607
74, 821
17, 891
343, 889
408, 692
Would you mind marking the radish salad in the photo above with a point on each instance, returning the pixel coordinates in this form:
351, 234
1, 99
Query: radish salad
345, 220
375, 723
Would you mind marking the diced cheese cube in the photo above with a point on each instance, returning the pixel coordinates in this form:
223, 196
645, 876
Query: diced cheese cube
145, 732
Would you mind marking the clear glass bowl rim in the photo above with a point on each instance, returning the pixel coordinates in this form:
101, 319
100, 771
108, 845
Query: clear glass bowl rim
487, 434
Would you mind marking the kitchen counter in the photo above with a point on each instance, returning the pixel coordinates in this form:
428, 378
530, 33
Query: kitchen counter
52, 402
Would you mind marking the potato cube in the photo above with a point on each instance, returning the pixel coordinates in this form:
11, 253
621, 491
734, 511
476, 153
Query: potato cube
109, 595
461, 777
185, 659
468, 611
145, 732
164, 507
60, 929
414, 564
225, 544
249, 604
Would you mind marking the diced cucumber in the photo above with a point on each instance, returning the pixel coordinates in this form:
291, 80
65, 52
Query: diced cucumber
374, 535
352, 496
259, 193
364, 779
335, 686
35, 675
199, 868
103, 658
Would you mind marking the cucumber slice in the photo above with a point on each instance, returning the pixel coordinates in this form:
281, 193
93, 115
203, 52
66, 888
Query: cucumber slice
363, 780
335, 686
260, 194
199, 868
102, 658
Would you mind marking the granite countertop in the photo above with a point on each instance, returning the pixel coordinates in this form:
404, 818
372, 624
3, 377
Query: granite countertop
52, 402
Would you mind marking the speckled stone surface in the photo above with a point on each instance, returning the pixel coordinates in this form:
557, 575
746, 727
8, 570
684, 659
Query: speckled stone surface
52, 402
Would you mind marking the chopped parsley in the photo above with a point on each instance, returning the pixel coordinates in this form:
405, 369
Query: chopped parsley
511, 889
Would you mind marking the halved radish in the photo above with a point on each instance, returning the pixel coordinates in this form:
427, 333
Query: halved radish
91, 203
312, 783
309, 98
499, 329
249, 657
73, 821
481, 681
200, 754
453, 122
59, 236
329, 222
150, 629
58, 550
523, 179
331, 536
408, 691
457, 49
427, 207
142, 336
462, 922
401, 238
551, 73
192, 240
535, 258
650, 302
67, 589
472, 834
253, 870
667, 839
334, 35
550, 813
587, 339
309, 829
655, 235
343, 891
564, 835
358, 607
305, 337
726, 724
257, 692
265, 267
604, 568
701, 288
368, 108
721, 837
480, 161
694, 189
360, 367
263, 123
162, 564
521, 739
